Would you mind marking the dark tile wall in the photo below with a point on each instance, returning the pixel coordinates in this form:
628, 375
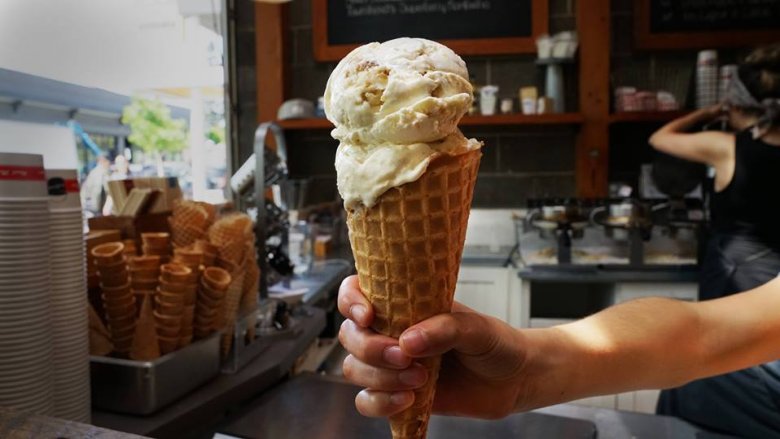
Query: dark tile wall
518, 163
246, 74
673, 71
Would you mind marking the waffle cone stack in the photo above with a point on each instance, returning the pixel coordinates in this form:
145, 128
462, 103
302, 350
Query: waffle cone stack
407, 251
250, 294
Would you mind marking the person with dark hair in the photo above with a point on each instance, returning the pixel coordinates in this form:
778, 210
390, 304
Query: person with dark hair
744, 250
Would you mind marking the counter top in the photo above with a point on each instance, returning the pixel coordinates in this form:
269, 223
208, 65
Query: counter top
610, 273
324, 277
323, 407
208, 404
15, 424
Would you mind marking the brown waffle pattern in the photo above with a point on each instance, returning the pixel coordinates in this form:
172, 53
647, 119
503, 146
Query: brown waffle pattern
407, 251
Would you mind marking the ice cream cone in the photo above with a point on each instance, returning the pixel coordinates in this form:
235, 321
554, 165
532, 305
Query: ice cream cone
168, 308
99, 337
210, 210
168, 344
108, 253
216, 278
166, 331
113, 279
156, 240
175, 273
185, 234
250, 296
142, 284
191, 212
188, 256
230, 308
187, 322
407, 251
144, 263
145, 346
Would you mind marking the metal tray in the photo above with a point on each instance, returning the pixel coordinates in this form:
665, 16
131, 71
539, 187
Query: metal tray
144, 387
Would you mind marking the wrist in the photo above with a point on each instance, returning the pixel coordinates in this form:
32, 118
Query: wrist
549, 372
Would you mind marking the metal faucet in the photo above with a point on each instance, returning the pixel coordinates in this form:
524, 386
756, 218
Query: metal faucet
260, 186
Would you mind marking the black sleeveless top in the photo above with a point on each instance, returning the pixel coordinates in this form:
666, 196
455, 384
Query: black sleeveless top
749, 205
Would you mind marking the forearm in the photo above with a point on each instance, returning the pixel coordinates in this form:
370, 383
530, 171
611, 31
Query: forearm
685, 123
649, 343
740, 331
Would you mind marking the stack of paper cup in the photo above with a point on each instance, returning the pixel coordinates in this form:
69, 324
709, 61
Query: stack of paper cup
25, 326
728, 74
707, 79
69, 321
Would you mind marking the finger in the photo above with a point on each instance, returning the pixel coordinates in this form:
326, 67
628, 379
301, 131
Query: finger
379, 404
372, 348
353, 304
466, 332
388, 380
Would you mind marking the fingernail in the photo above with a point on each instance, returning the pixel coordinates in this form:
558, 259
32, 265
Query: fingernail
414, 376
358, 312
414, 341
401, 398
395, 356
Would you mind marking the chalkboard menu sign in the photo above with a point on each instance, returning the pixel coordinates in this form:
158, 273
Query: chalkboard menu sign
467, 26
706, 23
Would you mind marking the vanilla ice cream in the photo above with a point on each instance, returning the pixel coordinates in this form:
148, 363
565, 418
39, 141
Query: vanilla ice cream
396, 107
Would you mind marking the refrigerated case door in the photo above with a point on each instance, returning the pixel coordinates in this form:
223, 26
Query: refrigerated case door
486, 290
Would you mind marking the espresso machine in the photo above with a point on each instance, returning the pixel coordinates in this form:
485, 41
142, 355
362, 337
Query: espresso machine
559, 220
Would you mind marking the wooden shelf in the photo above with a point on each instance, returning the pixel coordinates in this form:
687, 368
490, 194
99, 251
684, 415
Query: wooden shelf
645, 116
305, 124
503, 119
522, 119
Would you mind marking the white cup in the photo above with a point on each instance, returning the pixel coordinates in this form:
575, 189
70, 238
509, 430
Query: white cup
488, 98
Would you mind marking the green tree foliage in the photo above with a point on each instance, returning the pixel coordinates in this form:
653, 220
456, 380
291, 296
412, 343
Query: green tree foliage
216, 134
152, 128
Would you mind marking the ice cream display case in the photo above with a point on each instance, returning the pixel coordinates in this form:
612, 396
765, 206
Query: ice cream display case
628, 233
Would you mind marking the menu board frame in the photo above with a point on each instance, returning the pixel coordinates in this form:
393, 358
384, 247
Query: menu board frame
324, 51
645, 38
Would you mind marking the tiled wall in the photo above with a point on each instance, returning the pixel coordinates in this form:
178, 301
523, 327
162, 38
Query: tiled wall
519, 162
673, 71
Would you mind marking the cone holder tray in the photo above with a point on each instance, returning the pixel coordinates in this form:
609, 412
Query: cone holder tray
144, 387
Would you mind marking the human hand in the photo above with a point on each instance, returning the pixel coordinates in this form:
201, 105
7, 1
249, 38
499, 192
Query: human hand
707, 114
483, 372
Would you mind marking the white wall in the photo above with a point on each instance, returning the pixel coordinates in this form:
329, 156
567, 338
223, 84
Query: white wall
55, 143
118, 45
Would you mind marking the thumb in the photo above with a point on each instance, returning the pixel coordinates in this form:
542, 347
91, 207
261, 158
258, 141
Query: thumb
466, 332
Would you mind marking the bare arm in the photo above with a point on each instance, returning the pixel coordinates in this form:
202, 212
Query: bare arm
652, 343
708, 147
491, 369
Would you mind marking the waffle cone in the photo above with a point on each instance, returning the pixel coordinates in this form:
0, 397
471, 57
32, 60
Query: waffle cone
249, 296
99, 337
184, 234
407, 251
230, 309
145, 346
192, 213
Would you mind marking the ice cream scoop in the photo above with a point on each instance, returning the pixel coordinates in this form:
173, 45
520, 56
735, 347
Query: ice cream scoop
396, 106
404, 91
